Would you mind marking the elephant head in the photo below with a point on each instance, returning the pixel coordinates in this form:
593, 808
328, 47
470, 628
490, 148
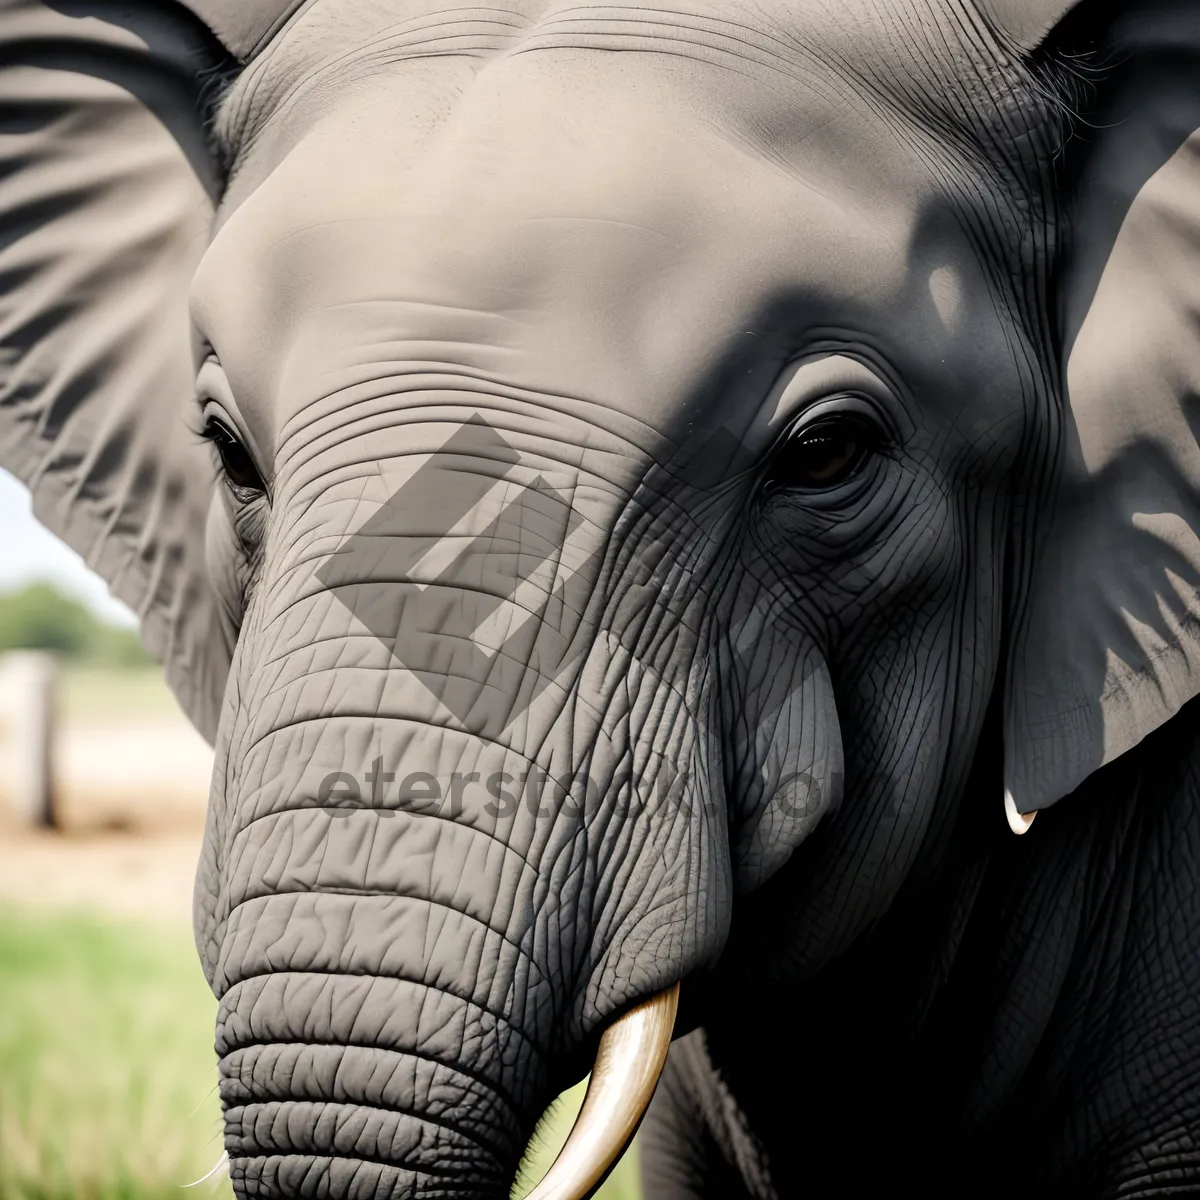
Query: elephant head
592, 472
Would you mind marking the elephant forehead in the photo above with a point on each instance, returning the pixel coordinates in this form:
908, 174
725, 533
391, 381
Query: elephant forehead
552, 219
775, 43
764, 67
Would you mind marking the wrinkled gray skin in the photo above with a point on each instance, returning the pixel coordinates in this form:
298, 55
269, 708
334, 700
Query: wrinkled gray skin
610, 267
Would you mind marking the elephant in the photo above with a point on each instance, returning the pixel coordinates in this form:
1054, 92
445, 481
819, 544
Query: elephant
645, 503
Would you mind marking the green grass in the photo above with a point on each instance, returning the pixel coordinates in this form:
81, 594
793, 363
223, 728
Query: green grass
107, 1071
622, 1184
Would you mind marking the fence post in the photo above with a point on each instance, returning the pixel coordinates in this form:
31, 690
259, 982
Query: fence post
31, 684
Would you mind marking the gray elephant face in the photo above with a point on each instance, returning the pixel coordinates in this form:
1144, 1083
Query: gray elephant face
644, 440
636, 457
612, 419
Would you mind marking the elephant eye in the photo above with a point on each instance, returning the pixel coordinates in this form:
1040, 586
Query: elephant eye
826, 454
236, 462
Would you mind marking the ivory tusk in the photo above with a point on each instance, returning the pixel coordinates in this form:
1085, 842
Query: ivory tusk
1018, 822
629, 1061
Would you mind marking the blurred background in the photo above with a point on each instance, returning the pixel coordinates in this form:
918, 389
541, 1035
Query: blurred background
107, 1071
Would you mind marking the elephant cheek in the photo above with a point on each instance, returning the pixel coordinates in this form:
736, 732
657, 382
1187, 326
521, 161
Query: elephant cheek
794, 775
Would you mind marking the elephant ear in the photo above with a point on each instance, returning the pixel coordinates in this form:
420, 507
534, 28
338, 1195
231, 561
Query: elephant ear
106, 199
1107, 647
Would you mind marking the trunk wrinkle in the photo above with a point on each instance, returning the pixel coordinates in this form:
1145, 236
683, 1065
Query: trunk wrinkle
250, 1105
489, 1085
371, 895
500, 1019
236, 1160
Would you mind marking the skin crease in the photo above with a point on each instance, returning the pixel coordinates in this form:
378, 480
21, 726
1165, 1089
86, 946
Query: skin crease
608, 257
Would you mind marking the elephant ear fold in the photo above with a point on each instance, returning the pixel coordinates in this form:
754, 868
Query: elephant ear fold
106, 201
1107, 647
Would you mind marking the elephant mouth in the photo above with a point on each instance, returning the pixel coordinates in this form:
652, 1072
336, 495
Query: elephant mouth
629, 1061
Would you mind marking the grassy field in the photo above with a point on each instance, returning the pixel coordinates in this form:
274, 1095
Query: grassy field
106, 1061
106, 1065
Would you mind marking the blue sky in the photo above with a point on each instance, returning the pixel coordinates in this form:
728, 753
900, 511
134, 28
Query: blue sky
29, 552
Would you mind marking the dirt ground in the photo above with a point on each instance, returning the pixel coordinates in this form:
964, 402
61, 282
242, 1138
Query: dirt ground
145, 875
130, 781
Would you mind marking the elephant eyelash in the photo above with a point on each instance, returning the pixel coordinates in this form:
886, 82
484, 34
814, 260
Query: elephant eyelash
824, 455
238, 467
195, 426
197, 430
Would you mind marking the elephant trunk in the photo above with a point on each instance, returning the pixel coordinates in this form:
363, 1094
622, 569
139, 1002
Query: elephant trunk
343, 1085
297, 1108
398, 990
434, 878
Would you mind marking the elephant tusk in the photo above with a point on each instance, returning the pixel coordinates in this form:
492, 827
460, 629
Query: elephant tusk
1018, 822
629, 1061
